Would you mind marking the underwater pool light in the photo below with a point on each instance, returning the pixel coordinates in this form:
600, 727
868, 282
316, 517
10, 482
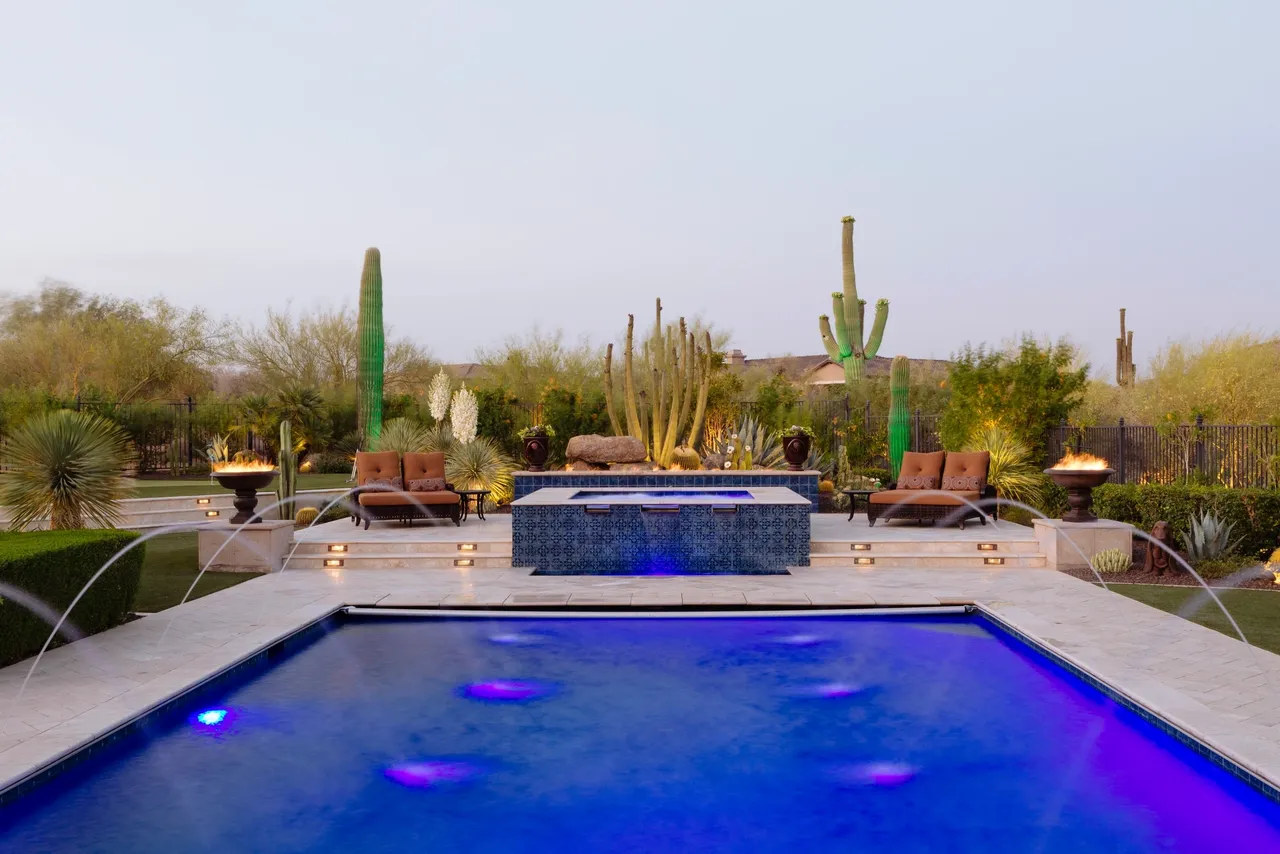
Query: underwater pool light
211, 717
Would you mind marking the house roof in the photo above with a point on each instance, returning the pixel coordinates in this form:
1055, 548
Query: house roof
469, 372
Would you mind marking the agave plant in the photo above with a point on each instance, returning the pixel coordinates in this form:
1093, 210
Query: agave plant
404, 436
480, 464
66, 466
1112, 561
766, 449
1209, 538
1012, 473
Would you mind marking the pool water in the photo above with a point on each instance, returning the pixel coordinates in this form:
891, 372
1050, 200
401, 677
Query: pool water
632, 734
590, 494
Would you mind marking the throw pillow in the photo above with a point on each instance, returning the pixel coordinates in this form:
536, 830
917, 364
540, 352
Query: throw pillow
427, 484
919, 481
385, 484
963, 483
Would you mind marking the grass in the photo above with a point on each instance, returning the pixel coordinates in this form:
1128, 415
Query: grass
1256, 611
171, 564
172, 487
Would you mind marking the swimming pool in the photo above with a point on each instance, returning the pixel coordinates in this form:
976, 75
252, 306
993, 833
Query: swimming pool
649, 734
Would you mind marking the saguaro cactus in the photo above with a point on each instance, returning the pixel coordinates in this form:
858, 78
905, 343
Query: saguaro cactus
677, 369
899, 418
287, 485
370, 357
846, 348
1126, 370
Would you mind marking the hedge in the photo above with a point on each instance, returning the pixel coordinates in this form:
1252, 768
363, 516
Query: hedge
53, 566
1256, 512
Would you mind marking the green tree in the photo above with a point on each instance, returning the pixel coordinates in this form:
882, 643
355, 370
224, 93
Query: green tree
1025, 389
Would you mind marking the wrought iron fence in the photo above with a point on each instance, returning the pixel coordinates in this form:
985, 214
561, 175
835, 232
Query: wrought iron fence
1236, 455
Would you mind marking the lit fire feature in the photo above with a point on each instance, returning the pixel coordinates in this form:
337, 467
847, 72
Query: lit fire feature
242, 467
1079, 474
1080, 462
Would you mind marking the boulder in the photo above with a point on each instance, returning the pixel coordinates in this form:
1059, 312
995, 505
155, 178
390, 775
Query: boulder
605, 449
713, 462
579, 465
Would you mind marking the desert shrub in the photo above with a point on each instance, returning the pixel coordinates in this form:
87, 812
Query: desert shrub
330, 462
1222, 567
402, 435
1255, 513
480, 464
52, 566
1011, 471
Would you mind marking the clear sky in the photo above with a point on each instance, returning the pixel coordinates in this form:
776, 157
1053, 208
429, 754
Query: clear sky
1012, 165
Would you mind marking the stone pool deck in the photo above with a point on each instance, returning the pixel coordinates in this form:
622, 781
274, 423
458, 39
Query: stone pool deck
1211, 686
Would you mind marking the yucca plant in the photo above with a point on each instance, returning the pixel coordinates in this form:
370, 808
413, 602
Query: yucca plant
480, 464
66, 466
404, 436
1012, 473
438, 439
1112, 561
1209, 538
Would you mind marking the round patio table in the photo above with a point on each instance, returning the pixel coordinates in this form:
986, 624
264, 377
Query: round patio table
473, 495
854, 495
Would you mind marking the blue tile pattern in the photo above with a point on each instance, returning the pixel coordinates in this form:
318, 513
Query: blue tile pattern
803, 482
565, 539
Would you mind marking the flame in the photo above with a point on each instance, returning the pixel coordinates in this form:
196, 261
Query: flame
675, 467
1080, 462
242, 467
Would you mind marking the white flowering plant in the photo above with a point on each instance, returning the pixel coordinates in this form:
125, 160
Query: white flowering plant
438, 395
464, 415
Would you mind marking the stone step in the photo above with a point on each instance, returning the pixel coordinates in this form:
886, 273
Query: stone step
445, 548
915, 559
935, 547
489, 560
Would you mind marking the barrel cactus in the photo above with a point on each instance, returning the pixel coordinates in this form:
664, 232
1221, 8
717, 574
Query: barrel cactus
371, 355
899, 418
685, 457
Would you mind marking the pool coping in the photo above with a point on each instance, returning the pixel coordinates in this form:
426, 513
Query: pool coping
299, 636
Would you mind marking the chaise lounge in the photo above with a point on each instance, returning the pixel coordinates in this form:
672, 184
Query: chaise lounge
935, 486
383, 479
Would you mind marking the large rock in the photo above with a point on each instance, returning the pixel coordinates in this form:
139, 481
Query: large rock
605, 449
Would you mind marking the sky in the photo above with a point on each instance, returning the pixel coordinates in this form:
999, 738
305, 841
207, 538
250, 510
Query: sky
1012, 166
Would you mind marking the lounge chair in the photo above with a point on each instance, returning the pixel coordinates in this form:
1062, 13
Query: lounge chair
382, 487
935, 486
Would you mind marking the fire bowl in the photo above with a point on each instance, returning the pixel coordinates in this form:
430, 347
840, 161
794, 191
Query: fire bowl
1079, 484
246, 485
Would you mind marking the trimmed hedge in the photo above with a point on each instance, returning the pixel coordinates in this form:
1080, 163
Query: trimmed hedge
52, 566
1256, 512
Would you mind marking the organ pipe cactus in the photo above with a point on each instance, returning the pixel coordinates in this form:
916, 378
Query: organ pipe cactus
846, 347
668, 400
287, 486
371, 355
899, 418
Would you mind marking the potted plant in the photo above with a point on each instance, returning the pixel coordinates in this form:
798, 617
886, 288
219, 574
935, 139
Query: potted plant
796, 441
537, 445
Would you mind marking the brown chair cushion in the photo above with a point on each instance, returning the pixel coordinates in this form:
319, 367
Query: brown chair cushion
920, 471
419, 466
385, 484
398, 499
427, 484
966, 472
913, 496
373, 466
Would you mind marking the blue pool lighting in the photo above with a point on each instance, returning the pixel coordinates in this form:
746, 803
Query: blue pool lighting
886, 775
211, 717
431, 774
829, 691
515, 639
799, 640
505, 691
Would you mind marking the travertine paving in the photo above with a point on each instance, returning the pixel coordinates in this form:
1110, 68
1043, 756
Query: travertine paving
1210, 685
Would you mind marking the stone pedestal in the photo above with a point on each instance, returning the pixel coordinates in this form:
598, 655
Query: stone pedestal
259, 547
1056, 539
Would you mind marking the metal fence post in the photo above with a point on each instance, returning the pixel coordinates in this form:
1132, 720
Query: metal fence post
866, 415
191, 408
1120, 452
916, 438
1199, 443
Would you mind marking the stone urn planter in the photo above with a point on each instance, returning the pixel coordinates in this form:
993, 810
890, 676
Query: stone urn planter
796, 443
1079, 484
537, 446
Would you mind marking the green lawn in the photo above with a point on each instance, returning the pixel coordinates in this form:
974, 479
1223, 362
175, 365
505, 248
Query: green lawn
171, 565
170, 487
1256, 611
